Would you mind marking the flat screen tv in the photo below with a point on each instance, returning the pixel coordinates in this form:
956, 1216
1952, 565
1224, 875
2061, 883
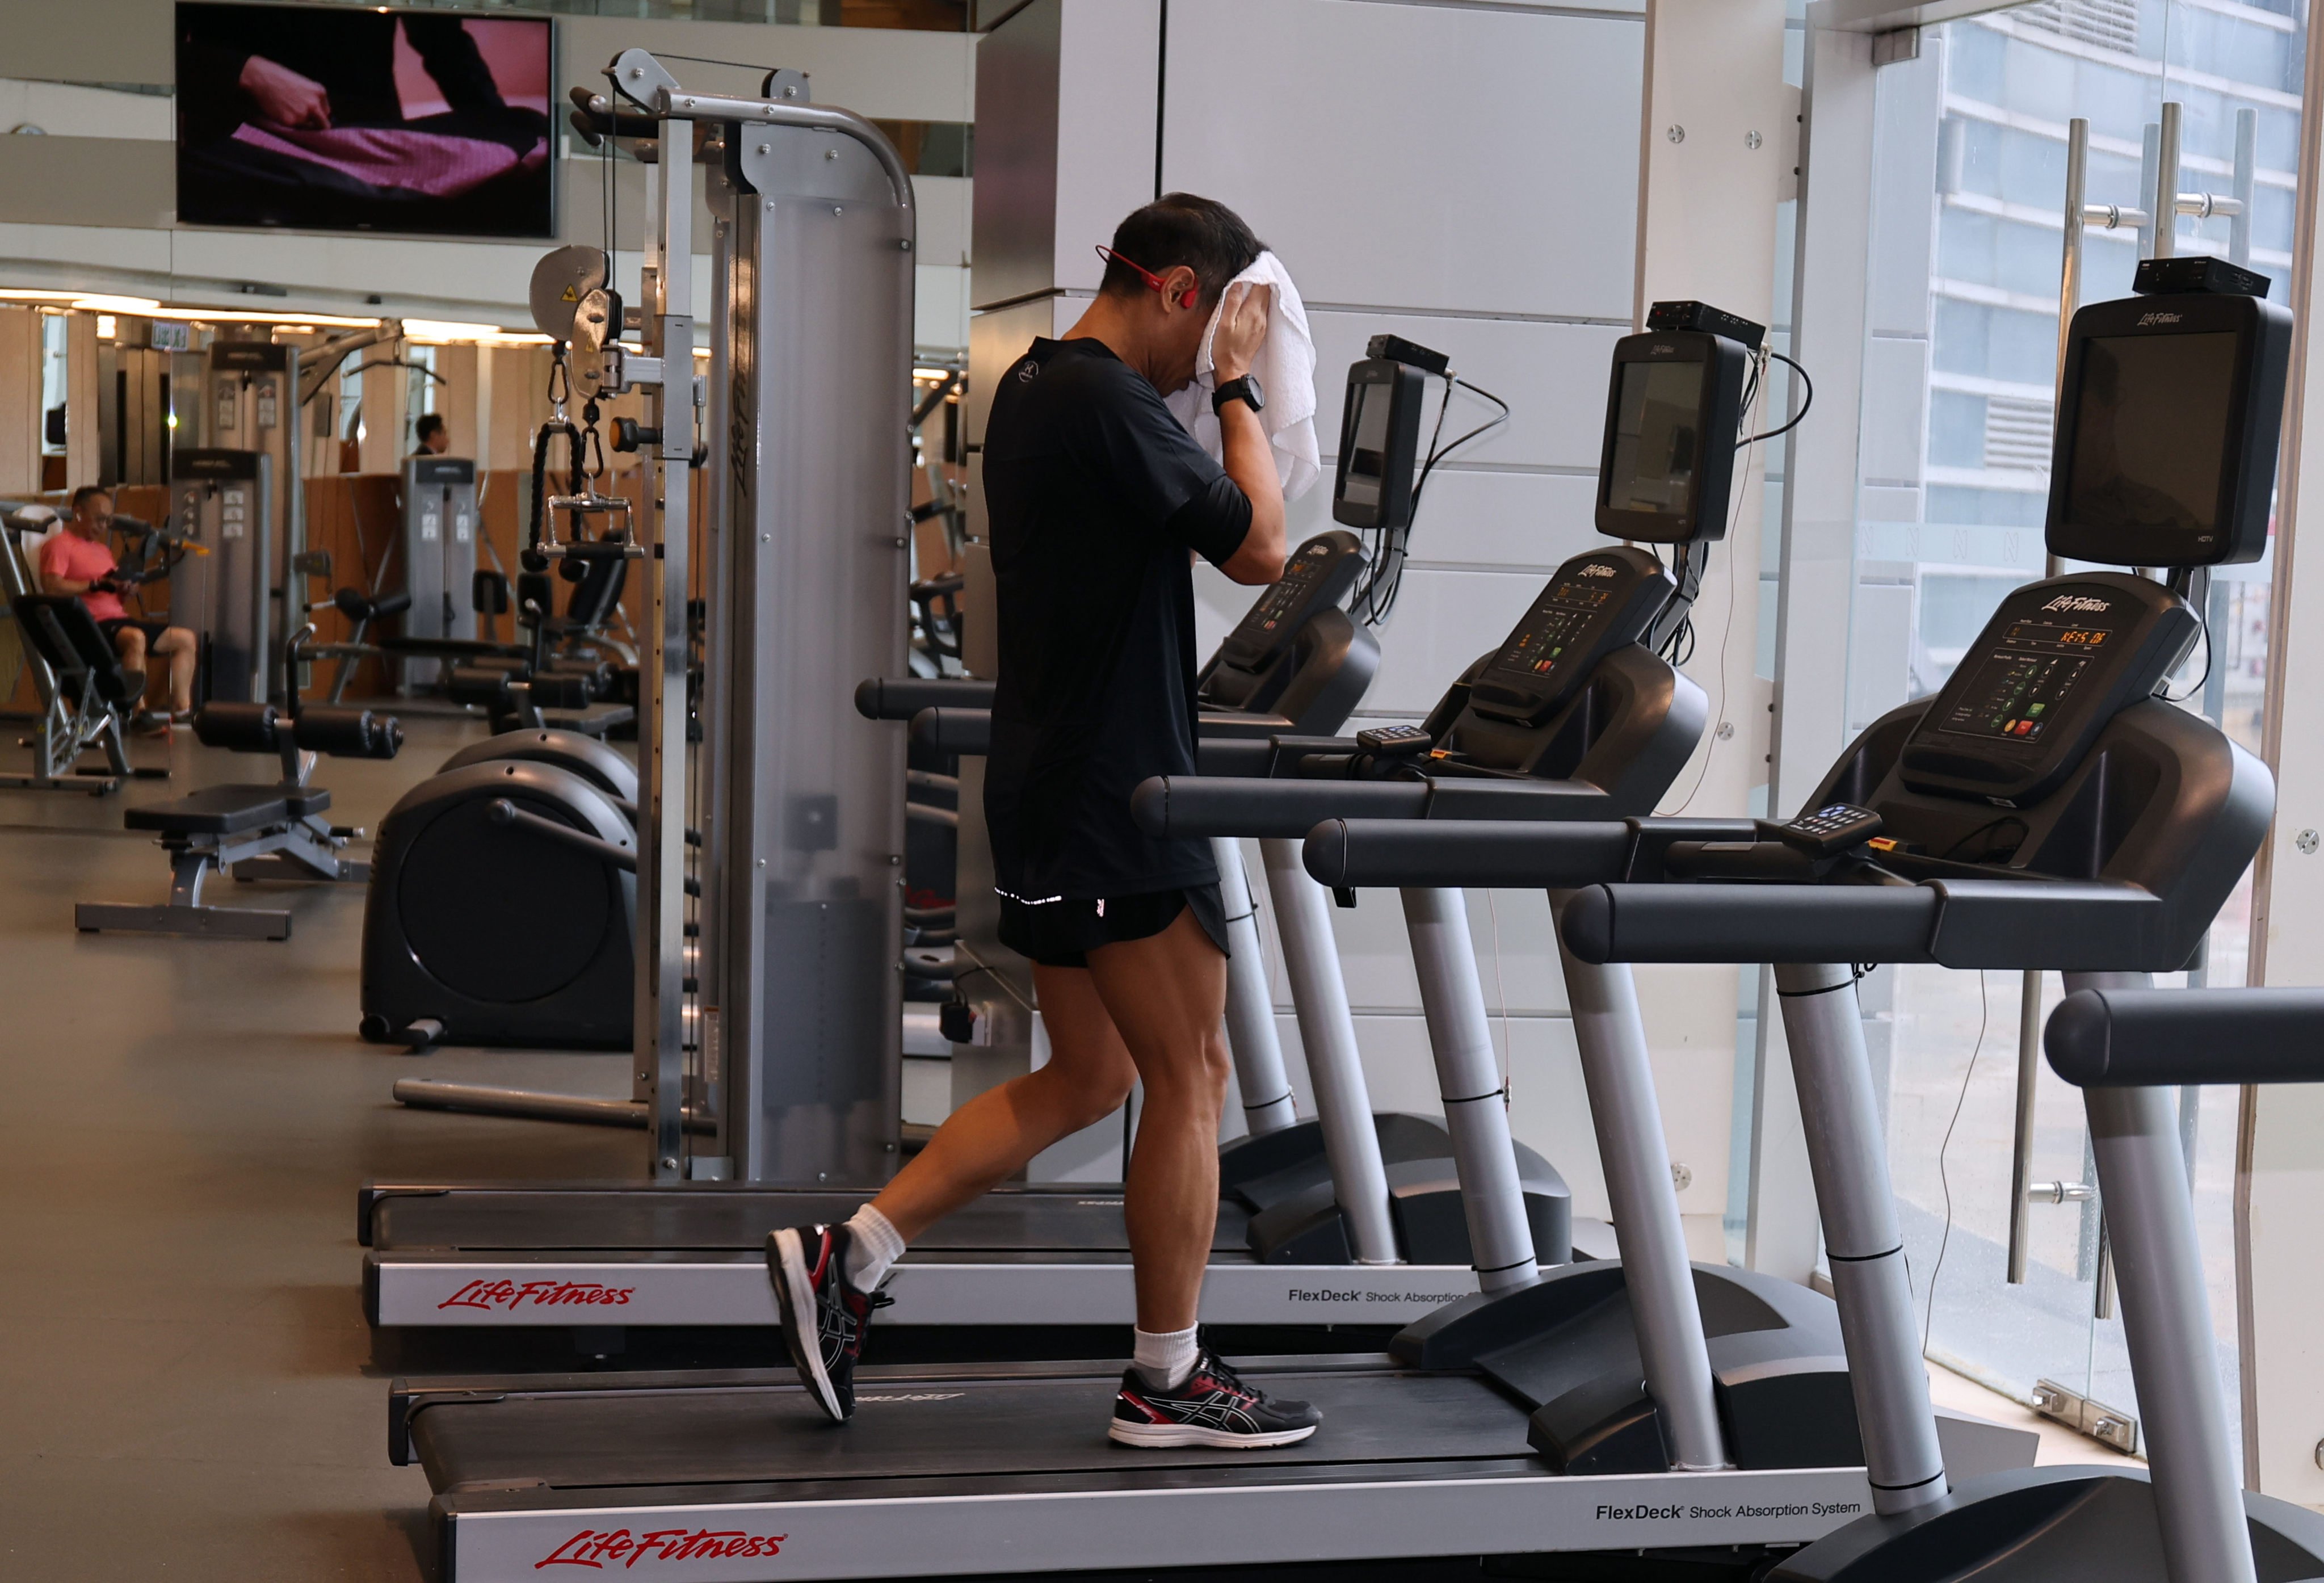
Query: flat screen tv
331, 118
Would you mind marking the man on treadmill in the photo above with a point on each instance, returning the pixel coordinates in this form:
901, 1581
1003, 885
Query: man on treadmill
1098, 500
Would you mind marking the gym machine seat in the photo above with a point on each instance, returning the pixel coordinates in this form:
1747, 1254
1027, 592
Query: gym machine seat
226, 810
255, 831
85, 695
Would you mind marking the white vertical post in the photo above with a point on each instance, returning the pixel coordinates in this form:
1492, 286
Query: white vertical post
1708, 207
1818, 562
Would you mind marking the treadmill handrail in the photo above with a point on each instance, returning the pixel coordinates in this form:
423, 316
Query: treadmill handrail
1456, 849
1354, 853
2067, 926
1208, 805
2167, 1038
1220, 805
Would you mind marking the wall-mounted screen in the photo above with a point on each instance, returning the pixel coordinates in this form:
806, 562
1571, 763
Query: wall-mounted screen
2169, 418
337, 119
2151, 431
1672, 410
1657, 438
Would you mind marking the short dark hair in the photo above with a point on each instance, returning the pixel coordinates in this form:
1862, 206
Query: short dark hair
82, 495
1180, 228
430, 423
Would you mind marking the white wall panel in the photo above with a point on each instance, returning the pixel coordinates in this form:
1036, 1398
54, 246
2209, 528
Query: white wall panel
1106, 102
1552, 375
1497, 520
1444, 620
1416, 156
1483, 544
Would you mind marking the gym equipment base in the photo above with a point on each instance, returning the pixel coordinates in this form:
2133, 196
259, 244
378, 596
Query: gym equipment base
693, 1253
736, 1476
213, 922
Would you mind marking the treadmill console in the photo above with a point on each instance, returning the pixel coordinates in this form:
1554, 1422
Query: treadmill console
1317, 577
1595, 603
2059, 660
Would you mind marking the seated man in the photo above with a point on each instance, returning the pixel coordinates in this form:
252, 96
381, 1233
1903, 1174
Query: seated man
78, 562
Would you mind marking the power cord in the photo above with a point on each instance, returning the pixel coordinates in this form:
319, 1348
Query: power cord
1376, 596
1944, 1176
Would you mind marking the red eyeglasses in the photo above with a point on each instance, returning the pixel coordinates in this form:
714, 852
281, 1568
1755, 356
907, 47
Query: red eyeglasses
1185, 298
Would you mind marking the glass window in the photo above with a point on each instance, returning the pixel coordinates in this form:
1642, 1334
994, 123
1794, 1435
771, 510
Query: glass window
1995, 94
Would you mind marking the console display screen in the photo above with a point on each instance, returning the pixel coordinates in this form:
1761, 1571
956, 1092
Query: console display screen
2020, 687
1658, 445
2150, 432
1265, 620
1368, 449
1558, 621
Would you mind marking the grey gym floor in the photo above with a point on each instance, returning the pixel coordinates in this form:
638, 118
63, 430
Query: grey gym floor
187, 1385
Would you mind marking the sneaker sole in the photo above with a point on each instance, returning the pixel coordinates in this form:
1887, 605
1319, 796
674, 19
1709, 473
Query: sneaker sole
795, 1296
1187, 1434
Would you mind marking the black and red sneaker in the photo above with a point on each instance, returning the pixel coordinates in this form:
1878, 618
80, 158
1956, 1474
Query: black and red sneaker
1214, 1407
823, 1317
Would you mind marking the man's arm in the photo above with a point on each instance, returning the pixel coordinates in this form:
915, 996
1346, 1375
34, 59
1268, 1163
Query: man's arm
1246, 455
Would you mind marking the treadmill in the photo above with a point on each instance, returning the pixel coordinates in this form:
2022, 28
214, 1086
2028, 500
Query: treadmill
1479, 1435
2122, 825
522, 1254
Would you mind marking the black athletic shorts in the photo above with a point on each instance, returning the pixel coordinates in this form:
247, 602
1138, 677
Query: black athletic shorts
151, 629
1061, 933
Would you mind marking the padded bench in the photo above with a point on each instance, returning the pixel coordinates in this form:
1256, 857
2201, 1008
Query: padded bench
226, 810
273, 831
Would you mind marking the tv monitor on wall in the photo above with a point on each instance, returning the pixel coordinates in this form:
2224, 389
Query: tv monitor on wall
331, 118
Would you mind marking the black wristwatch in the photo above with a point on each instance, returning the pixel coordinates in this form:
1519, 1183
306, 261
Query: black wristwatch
1245, 389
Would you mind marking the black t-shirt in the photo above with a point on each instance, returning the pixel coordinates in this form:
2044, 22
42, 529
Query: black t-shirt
1094, 493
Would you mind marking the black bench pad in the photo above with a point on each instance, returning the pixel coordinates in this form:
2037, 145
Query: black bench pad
226, 811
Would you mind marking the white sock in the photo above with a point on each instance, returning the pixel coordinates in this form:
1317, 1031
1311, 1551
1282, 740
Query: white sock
1163, 1360
872, 1245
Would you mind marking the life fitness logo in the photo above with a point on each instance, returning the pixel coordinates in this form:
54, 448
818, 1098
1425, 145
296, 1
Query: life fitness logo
1596, 568
2146, 319
513, 1294
621, 1550
2077, 602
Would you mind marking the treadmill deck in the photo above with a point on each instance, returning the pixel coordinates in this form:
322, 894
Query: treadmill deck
737, 1475
693, 1254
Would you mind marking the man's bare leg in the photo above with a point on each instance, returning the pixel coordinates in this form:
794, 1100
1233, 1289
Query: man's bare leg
827, 1278
180, 644
993, 1136
129, 642
1167, 994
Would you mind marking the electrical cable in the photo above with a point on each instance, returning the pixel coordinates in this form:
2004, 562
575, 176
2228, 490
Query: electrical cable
1727, 629
1944, 1179
2206, 676
1377, 596
1807, 400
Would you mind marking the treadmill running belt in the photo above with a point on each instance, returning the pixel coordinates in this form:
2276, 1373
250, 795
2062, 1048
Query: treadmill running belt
1043, 1221
923, 1427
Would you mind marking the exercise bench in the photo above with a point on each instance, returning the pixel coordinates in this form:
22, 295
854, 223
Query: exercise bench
274, 831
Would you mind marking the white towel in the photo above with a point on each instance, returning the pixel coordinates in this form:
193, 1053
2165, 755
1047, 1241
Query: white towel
1285, 367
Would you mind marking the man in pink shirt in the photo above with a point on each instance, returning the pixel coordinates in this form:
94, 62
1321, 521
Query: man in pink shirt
78, 562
